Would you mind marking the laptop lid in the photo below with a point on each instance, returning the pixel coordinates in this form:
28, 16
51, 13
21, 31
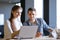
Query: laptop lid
28, 31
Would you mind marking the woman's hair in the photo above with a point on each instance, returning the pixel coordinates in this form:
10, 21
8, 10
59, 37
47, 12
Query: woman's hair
14, 8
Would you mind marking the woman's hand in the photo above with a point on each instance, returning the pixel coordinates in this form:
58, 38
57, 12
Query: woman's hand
15, 34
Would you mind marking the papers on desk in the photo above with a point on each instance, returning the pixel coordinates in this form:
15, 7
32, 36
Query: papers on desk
54, 34
45, 38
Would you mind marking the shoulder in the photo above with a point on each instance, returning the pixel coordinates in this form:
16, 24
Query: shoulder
26, 23
39, 19
7, 21
7, 26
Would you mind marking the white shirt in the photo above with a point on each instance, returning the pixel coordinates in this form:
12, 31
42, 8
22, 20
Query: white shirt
17, 24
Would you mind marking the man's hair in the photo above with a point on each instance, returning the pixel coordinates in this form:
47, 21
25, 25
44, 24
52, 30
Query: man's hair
31, 9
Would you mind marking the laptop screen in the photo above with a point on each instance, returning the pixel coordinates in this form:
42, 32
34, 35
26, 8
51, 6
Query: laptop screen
28, 31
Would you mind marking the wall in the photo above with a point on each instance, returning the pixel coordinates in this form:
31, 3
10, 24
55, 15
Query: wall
52, 13
6, 9
28, 4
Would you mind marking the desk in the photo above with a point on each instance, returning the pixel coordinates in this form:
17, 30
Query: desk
39, 38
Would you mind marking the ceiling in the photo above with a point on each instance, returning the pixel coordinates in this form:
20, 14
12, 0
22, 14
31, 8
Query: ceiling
9, 1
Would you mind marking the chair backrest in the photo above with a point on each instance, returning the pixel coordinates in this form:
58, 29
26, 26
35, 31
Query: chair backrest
7, 32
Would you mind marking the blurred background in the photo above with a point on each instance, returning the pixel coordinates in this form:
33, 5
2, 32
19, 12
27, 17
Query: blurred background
46, 9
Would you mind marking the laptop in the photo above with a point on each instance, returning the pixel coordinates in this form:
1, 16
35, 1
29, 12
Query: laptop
27, 32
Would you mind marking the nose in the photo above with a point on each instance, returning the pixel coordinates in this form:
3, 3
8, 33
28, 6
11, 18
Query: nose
19, 13
31, 16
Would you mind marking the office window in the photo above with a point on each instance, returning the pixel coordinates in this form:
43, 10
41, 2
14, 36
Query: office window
38, 5
1, 19
1, 25
58, 14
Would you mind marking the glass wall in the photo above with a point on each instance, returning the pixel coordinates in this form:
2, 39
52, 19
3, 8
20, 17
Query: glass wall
38, 4
58, 13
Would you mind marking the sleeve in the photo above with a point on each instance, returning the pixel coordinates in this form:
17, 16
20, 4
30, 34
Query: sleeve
40, 27
7, 32
25, 24
45, 26
9, 26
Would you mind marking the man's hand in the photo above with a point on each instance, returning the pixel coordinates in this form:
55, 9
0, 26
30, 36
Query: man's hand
38, 34
50, 30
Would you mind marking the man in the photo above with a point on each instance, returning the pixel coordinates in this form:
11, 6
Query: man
33, 21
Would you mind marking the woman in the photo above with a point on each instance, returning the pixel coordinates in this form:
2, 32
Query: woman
14, 22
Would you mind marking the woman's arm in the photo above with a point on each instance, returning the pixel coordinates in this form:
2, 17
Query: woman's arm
13, 26
15, 34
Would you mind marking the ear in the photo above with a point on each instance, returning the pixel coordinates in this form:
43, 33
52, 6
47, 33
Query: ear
28, 15
35, 13
12, 11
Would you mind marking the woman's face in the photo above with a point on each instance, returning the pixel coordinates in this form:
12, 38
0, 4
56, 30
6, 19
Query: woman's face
16, 13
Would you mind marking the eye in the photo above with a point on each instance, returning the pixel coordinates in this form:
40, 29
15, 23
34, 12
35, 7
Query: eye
29, 14
32, 14
16, 13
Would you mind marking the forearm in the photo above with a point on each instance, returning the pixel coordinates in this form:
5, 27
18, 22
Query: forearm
15, 34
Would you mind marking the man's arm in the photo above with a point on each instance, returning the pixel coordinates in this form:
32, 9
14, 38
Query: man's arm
38, 34
46, 27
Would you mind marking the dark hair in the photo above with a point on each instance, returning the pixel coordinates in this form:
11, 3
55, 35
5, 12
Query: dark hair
31, 9
14, 8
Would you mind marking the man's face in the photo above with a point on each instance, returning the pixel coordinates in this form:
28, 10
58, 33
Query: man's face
31, 15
